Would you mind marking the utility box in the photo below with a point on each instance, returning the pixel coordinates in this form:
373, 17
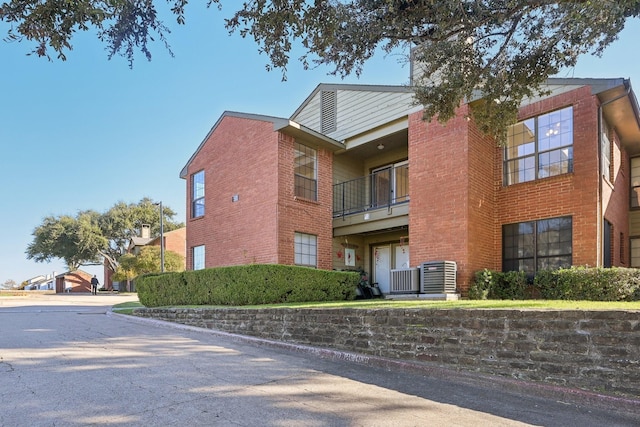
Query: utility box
405, 281
438, 277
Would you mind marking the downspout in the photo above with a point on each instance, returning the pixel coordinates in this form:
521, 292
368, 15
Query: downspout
600, 213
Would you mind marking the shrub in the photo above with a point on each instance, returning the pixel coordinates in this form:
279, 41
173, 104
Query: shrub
575, 283
590, 283
490, 284
246, 285
481, 285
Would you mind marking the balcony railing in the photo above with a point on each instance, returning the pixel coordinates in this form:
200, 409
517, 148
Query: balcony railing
383, 188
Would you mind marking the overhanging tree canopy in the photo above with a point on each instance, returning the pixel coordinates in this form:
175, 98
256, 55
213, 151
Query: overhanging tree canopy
503, 49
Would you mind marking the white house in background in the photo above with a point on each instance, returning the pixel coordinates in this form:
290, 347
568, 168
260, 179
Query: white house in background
41, 283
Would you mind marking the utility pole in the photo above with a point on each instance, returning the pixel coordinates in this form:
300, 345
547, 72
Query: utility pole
161, 237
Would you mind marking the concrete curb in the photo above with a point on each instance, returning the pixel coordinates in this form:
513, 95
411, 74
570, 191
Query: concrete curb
569, 395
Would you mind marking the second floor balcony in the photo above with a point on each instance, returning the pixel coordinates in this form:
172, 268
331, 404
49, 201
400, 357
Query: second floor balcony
384, 188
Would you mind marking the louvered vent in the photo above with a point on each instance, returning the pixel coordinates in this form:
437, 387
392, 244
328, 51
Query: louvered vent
438, 277
405, 281
329, 111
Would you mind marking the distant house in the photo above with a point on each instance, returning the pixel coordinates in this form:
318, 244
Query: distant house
355, 178
174, 241
73, 282
40, 283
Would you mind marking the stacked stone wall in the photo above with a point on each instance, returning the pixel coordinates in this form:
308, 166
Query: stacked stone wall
592, 350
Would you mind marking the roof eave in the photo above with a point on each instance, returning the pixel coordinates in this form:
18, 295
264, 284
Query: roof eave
620, 108
305, 134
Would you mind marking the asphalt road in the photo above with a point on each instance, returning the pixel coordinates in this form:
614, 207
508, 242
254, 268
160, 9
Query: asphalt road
66, 361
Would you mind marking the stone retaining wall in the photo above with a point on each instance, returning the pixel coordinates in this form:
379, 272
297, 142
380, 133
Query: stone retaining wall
592, 350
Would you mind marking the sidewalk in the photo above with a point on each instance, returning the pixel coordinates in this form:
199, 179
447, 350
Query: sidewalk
87, 299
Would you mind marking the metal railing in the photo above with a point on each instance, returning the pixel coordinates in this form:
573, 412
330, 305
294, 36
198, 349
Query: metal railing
383, 188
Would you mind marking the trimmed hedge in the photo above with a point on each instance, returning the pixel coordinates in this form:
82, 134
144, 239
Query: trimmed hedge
575, 283
246, 285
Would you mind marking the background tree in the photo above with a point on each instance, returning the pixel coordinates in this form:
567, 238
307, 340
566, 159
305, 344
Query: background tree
503, 50
124, 221
75, 240
147, 261
9, 284
91, 238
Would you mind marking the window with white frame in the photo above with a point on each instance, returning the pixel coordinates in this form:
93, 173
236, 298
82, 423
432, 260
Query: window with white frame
197, 194
539, 147
537, 245
306, 172
305, 249
197, 257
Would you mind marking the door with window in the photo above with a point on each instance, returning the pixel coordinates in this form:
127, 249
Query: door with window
390, 185
385, 258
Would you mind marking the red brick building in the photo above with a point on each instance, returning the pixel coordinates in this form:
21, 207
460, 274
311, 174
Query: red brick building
174, 241
356, 179
77, 281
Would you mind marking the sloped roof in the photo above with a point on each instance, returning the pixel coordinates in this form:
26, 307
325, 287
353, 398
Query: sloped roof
279, 125
140, 241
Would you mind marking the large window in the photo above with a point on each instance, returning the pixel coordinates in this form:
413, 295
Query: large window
306, 172
635, 182
197, 253
197, 194
539, 147
537, 245
305, 249
390, 185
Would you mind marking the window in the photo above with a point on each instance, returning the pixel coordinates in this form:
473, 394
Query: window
305, 249
635, 182
306, 166
197, 253
537, 245
606, 152
635, 252
390, 185
607, 242
539, 147
197, 194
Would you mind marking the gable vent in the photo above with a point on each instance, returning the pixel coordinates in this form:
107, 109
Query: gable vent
329, 111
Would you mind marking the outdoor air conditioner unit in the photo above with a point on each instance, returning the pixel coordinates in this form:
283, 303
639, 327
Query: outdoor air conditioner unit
438, 277
405, 281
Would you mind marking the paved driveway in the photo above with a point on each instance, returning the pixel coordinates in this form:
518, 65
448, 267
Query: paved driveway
65, 361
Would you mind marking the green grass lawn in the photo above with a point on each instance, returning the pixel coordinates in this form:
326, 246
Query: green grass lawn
127, 308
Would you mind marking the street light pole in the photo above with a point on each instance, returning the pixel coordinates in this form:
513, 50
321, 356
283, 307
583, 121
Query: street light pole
161, 237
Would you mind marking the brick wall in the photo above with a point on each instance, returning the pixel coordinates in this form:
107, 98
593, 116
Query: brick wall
300, 215
459, 203
174, 241
79, 281
238, 159
593, 350
573, 194
615, 194
439, 183
245, 157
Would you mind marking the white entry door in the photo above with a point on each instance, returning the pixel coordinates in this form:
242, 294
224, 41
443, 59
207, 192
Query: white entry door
382, 267
402, 256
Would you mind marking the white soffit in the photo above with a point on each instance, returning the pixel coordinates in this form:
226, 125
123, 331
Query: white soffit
377, 133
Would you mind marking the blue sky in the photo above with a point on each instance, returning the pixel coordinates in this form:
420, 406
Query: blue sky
89, 132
